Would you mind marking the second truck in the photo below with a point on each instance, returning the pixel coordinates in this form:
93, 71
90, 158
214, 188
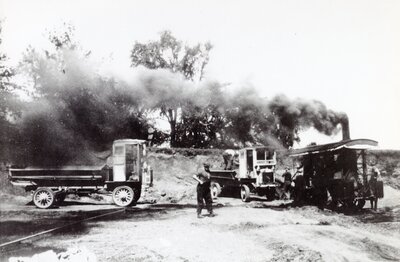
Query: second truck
252, 172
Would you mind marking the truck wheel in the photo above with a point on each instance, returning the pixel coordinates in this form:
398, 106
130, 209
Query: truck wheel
123, 196
43, 197
215, 190
245, 193
359, 203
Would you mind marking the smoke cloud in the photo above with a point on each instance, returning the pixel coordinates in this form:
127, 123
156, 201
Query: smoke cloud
306, 114
77, 111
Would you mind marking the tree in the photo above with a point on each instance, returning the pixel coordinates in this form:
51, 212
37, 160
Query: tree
202, 118
9, 104
74, 109
171, 54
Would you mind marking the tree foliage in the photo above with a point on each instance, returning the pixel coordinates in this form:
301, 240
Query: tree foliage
202, 118
75, 107
171, 54
7, 98
9, 104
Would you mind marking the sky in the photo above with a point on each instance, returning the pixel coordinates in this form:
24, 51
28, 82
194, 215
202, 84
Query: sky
343, 53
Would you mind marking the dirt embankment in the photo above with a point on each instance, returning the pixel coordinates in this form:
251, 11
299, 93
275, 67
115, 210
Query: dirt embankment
173, 173
388, 162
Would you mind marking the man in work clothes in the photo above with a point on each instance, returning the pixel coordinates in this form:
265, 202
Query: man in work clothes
203, 190
287, 182
230, 159
373, 181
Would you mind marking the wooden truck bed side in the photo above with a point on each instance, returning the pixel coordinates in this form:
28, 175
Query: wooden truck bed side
61, 176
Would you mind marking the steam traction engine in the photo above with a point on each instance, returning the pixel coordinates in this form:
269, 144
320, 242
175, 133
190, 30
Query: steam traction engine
254, 174
125, 179
336, 174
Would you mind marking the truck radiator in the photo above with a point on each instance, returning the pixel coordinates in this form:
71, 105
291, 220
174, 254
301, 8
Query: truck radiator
267, 177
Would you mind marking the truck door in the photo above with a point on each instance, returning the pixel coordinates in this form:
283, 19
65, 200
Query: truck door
131, 160
250, 159
242, 164
119, 162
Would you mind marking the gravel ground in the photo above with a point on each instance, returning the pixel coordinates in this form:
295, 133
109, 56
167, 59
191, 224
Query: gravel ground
255, 231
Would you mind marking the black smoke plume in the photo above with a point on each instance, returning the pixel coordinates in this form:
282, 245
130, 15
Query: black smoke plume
77, 111
296, 115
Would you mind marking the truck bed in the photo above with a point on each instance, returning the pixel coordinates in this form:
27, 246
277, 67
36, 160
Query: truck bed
227, 174
224, 177
60, 176
228, 178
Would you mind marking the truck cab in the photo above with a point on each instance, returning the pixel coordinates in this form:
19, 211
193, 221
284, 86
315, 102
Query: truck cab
257, 163
130, 172
254, 176
129, 161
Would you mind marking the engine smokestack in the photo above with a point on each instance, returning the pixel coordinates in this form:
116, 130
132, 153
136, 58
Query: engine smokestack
345, 128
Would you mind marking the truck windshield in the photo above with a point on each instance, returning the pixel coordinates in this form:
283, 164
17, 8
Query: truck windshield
118, 150
264, 154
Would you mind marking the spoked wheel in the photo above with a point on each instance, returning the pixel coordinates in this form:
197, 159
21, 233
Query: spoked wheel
359, 203
215, 190
43, 197
245, 193
123, 196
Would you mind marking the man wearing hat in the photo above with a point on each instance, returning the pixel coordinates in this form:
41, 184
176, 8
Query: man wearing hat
373, 181
203, 190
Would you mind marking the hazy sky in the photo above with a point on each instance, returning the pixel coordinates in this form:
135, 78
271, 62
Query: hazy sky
344, 53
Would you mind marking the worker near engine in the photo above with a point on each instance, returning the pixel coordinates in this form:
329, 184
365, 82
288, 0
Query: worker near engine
230, 159
203, 190
374, 178
299, 190
287, 181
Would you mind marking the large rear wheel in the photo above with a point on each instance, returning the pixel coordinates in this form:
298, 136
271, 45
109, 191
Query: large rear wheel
123, 196
43, 197
245, 193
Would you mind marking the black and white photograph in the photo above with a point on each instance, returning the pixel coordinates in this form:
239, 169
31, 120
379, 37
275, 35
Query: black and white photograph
204, 131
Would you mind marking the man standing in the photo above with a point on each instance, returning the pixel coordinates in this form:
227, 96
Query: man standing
203, 190
287, 182
373, 187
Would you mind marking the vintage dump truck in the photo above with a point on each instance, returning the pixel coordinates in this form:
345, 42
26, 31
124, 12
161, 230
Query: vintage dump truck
336, 174
124, 179
254, 174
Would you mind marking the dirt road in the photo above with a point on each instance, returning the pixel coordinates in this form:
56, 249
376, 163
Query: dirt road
256, 231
